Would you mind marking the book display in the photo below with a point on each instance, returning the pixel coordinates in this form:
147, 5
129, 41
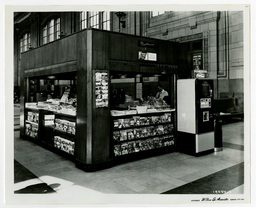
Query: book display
65, 126
51, 128
64, 133
142, 120
143, 145
142, 132
31, 130
53, 121
32, 124
64, 145
54, 105
49, 120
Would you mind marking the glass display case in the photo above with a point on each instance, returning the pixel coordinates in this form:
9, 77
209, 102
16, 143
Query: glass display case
141, 120
51, 117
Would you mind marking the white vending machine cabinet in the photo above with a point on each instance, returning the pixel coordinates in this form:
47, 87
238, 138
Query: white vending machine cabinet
195, 122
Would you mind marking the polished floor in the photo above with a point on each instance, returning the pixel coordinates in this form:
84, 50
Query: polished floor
173, 173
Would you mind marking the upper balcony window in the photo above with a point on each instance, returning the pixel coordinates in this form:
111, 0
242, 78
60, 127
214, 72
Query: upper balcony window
99, 20
25, 42
106, 20
51, 30
156, 13
94, 19
83, 19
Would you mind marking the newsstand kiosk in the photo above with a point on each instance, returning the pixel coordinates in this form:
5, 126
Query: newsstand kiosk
195, 116
90, 96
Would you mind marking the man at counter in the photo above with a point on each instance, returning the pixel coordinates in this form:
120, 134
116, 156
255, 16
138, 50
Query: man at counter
161, 92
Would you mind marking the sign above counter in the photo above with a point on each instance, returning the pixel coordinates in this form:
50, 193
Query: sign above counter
142, 43
147, 56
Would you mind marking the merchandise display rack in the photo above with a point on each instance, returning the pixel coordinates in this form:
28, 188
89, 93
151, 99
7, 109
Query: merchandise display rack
32, 126
64, 133
47, 135
155, 131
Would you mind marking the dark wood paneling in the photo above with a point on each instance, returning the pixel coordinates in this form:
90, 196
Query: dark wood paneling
100, 116
125, 47
117, 46
59, 51
81, 118
100, 129
81, 39
70, 49
89, 104
53, 69
101, 48
124, 68
101, 135
82, 92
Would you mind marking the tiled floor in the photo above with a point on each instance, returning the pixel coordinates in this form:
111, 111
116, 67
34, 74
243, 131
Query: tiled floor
222, 181
153, 175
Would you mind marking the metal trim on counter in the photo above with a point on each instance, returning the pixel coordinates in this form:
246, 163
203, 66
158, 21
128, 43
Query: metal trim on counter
127, 113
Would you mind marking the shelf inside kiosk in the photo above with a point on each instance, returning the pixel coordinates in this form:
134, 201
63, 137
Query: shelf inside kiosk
55, 92
132, 93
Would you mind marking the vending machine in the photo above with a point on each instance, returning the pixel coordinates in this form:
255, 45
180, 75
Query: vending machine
195, 122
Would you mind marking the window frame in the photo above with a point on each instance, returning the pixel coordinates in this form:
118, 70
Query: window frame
25, 42
106, 20
83, 20
95, 19
51, 30
156, 13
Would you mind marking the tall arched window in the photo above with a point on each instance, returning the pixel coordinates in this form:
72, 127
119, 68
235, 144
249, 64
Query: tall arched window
51, 30
24, 42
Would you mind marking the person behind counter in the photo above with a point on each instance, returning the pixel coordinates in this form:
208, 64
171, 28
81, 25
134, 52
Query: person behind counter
161, 92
